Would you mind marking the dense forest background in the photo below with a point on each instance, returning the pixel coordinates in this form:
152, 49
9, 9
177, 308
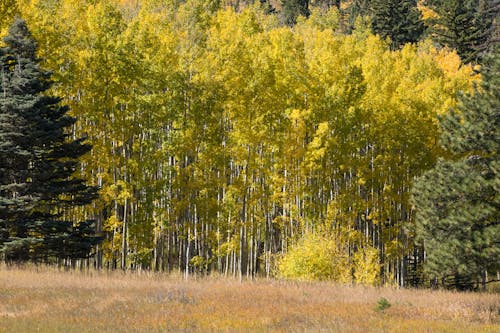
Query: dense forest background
270, 138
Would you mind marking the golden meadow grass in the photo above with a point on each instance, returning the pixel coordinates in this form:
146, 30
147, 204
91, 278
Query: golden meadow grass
46, 300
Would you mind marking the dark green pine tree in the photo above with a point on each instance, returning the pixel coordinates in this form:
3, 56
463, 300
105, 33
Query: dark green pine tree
325, 4
292, 9
354, 10
458, 201
465, 25
37, 161
15, 199
399, 20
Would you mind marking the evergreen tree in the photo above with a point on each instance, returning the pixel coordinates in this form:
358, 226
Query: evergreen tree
15, 200
38, 159
352, 10
465, 25
292, 9
325, 4
458, 201
400, 20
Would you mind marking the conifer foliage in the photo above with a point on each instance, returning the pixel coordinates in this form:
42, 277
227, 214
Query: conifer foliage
400, 20
458, 201
37, 161
292, 9
465, 25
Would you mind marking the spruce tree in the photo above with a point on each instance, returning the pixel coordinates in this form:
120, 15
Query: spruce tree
15, 140
458, 201
38, 160
465, 25
354, 10
292, 9
399, 20
325, 4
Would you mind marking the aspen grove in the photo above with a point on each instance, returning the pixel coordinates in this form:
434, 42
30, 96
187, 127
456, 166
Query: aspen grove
226, 141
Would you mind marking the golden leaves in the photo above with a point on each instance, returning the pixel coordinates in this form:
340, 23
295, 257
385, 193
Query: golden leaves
229, 121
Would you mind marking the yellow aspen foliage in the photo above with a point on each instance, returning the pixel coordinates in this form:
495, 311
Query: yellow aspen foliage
8, 10
316, 257
427, 13
366, 266
222, 139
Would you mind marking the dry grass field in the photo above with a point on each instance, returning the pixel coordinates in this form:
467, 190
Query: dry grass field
46, 300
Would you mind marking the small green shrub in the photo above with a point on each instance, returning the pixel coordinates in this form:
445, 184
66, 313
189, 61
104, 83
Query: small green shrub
382, 304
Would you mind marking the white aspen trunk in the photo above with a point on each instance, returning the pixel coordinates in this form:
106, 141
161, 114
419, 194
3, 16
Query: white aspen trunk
124, 237
186, 273
240, 261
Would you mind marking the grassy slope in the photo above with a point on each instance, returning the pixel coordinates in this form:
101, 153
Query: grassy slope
51, 301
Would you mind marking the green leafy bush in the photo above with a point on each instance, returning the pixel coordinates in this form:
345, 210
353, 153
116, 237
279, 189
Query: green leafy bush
382, 304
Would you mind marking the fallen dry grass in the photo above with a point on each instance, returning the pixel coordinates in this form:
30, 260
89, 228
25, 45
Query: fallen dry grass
47, 300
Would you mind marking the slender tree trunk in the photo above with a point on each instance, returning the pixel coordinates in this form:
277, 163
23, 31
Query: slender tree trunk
124, 237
